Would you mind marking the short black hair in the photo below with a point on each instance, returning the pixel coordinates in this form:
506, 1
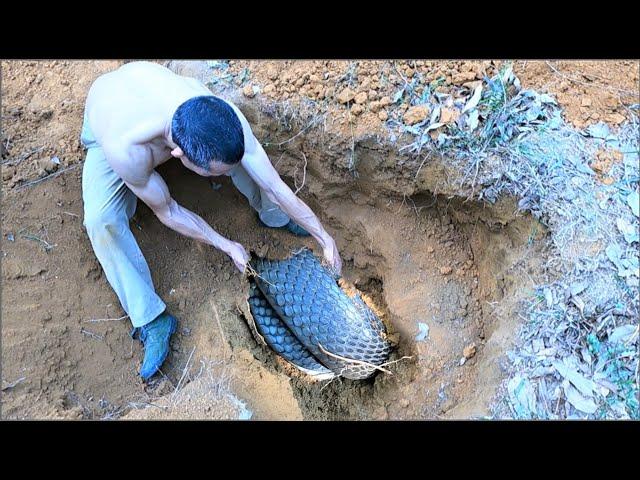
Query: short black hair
207, 129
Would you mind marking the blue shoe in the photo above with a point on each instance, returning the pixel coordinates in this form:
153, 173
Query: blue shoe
155, 337
292, 226
296, 229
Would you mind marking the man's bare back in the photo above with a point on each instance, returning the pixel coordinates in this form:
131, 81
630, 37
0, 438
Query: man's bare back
130, 112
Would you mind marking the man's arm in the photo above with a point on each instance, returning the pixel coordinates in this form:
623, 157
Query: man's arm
257, 164
151, 188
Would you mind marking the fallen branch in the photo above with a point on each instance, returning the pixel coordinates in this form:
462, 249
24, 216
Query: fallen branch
95, 320
59, 172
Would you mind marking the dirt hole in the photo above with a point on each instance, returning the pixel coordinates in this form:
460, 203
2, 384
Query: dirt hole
429, 262
454, 266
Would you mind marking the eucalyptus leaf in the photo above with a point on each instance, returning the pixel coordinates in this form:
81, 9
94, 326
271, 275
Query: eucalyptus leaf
633, 200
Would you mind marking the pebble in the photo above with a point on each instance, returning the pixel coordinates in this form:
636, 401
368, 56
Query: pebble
416, 114
346, 95
469, 351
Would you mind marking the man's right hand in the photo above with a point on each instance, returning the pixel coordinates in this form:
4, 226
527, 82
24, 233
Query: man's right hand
332, 256
239, 255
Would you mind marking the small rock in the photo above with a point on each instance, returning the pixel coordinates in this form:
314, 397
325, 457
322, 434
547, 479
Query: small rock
415, 114
586, 102
448, 404
384, 101
8, 173
382, 115
449, 115
269, 88
46, 317
445, 270
46, 165
248, 91
472, 85
608, 181
380, 413
430, 249
346, 95
615, 118
463, 77
404, 403
469, 351
361, 98
357, 109
272, 73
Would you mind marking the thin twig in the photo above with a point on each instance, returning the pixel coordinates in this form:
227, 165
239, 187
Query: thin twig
135, 405
304, 175
184, 373
24, 156
95, 320
330, 382
224, 340
253, 273
47, 245
11, 385
607, 87
91, 334
396, 361
353, 143
421, 164
59, 172
311, 124
406, 82
352, 360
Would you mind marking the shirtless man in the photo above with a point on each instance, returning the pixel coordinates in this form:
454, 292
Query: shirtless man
138, 117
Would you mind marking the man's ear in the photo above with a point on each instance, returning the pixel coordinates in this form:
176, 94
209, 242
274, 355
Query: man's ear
177, 152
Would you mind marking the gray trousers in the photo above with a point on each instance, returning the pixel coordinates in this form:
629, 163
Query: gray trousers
108, 206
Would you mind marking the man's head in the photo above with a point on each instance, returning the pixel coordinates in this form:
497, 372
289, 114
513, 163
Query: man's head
208, 134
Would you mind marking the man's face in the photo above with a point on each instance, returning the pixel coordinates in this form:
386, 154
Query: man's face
215, 168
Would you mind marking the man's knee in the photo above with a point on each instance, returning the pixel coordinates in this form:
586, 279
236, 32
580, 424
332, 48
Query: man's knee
102, 223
